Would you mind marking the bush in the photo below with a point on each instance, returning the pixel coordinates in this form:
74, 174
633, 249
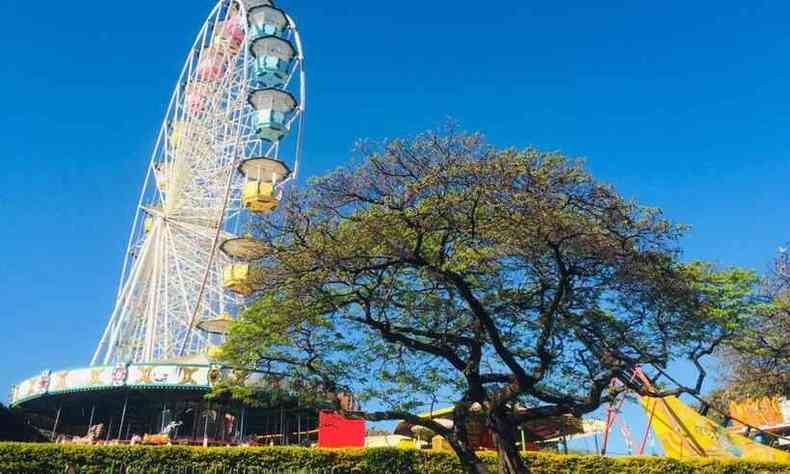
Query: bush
35, 459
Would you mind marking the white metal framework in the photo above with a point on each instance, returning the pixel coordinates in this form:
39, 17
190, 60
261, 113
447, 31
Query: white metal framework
192, 199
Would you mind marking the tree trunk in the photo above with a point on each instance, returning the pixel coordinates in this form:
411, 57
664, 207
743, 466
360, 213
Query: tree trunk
504, 435
470, 463
459, 440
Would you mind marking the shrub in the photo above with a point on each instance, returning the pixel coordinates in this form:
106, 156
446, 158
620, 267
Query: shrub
45, 459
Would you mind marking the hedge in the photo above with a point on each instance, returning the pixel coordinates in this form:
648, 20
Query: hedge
41, 459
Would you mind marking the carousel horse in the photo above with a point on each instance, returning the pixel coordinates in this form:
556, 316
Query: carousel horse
170, 429
165, 437
94, 434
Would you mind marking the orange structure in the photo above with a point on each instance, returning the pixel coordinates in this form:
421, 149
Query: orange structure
769, 414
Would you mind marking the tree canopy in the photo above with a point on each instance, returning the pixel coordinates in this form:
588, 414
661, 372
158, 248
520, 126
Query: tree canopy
444, 271
757, 361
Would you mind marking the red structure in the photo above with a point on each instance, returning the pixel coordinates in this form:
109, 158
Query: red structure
335, 431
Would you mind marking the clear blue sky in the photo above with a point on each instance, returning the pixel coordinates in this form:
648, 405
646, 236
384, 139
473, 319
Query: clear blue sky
682, 105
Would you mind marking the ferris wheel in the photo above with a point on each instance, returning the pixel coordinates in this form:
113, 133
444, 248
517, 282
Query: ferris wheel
230, 142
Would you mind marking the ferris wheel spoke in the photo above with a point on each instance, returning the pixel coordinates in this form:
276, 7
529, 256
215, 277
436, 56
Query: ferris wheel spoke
182, 279
121, 314
151, 307
193, 279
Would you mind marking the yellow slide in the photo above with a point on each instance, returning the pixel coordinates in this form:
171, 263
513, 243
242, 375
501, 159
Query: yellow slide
684, 433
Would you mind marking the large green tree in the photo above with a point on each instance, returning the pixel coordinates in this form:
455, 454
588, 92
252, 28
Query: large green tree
756, 363
507, 283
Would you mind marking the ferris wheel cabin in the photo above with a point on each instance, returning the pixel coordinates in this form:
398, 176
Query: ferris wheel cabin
198, 96
273, 59
241, 278
267, 21
193, 133
262, 174
212, 65
250, 4
218, 326
244, 248
230, 33
259, 197
273, 108
162, 176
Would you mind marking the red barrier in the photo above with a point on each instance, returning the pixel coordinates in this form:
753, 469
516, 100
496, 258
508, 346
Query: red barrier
334, 431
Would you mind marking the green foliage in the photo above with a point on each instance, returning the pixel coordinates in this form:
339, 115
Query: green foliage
441, 270
43, 459
756, 363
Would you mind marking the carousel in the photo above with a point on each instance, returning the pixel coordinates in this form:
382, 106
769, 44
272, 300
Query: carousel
162, 403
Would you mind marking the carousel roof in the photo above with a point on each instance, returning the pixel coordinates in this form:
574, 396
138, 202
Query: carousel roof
185, 374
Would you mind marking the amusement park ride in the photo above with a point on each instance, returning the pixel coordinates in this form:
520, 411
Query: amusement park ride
221, 158
229, 145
